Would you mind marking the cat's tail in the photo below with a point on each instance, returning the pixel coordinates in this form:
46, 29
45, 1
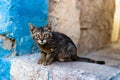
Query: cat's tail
89, 60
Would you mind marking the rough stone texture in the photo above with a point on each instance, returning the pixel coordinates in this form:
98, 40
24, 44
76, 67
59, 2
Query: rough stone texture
26, 68
87, 22
64, 16
96, 20
111, 55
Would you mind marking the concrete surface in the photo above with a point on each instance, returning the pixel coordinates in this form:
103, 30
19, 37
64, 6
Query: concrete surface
111, 55
26, 68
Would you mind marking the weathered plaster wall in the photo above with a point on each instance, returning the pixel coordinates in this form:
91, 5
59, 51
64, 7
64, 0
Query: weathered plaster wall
116, 25
14, 18
87, 22
64, 15
96, 20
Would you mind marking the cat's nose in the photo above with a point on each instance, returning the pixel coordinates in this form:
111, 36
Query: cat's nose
41, 40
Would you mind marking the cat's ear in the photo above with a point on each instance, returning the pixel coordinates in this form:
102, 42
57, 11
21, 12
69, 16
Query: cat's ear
32, 27
49, 26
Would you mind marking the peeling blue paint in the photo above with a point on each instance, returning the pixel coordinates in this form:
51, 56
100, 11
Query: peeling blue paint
5, 53
15, 16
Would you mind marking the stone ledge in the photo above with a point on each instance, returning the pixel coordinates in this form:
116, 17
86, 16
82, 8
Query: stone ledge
26, 68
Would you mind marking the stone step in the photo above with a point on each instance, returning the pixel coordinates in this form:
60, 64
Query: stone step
111, 55
26, 68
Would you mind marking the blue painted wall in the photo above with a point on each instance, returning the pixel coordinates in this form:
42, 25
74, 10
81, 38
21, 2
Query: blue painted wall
4, 69
14, 18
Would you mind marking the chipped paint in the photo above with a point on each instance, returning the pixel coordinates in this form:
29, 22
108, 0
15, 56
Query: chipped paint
15, 36
15, 16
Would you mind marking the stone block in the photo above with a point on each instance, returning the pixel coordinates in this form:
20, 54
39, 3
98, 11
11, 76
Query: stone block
26, 68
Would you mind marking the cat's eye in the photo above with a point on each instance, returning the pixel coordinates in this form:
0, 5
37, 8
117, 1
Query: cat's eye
36, 36
46, 35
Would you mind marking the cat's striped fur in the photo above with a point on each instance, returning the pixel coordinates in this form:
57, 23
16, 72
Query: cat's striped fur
55, 46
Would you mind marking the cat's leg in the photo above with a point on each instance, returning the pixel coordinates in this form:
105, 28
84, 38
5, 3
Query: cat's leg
50, 59
43, 58
63, 57
66, 58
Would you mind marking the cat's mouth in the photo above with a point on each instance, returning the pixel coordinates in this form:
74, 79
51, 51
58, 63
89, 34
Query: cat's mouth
42, 42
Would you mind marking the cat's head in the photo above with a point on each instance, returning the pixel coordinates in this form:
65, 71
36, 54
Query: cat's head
41, 35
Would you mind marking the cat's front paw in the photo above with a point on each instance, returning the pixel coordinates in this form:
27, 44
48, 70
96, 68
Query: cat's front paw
45, 63
40, 61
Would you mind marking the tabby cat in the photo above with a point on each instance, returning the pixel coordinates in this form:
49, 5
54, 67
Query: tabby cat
55, 46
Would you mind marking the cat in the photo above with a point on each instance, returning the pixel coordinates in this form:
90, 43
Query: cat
55, 46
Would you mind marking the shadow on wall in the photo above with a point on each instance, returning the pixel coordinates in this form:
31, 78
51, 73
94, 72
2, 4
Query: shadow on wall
14, 31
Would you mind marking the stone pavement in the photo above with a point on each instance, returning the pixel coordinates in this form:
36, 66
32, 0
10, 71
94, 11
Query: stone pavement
111, 55
26, 67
